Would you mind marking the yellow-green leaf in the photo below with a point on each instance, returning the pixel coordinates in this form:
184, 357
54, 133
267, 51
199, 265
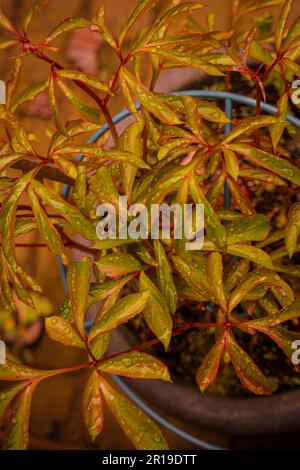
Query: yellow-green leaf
59, 329
136, 364
78, 281
142, 7
118, 264
164, 275
34, 8
67, 25
150, 101
92, 406
209, 367
271, 162
138, 427
125, 309
156, 312
89, 80
215, 279
292, 229
249, 374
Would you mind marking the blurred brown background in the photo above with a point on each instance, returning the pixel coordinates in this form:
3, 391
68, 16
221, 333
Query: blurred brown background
56, 418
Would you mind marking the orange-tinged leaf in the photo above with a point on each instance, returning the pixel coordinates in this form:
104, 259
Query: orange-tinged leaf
54, 106
250, 228
69, 212
142, 7
29, 94
164, 275
98, 20
93, 114
292, 229
283, 315
5, 23
59, 329
138, 427
17, 433
231, 163
249, 374
150, 101
136, 364
209, 367
118, 264
215, 279
215, 229
78, 280
68, 25
125, 309
84, 78
92, 405
271, 162
156, 312
46, 228
282, 23
6, 397
249, 125
34, 8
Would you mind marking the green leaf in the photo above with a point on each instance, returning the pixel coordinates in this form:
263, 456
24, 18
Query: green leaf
103, 155
282, 23
92, 114
277, 130
250, 228
118, 264
288, 313
125, 309
138, 427
7, 222
194, 274
216, 231
10, 159
249, 374
261, 175
209, 367
215, 279
34, 8
168, 15
164, 275
99, 21
89, 80
235, 273
70, 213
7, 43
78, 280
46, 228
92, 406
292, 229
231, 163
17, 433
142, 7
103, 186
67, 25
185, 60
283, 338
132, 142
293, 66
59, 329
5, 23
54, 105
156, 312
249, 125
150, 101
136, 364
258, 52
29, 94
259, 277
269, 161
6, 397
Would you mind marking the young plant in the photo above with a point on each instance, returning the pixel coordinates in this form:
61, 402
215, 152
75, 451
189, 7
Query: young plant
174, 151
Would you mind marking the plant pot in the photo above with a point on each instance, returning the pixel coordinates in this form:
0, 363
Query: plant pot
276, 414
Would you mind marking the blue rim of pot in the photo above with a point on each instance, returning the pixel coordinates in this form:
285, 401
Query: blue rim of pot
229, 99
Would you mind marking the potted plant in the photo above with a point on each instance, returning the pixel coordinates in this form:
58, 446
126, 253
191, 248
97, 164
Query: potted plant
233, 294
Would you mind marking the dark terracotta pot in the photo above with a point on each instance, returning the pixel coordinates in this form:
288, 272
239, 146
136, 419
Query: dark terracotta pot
275, 414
